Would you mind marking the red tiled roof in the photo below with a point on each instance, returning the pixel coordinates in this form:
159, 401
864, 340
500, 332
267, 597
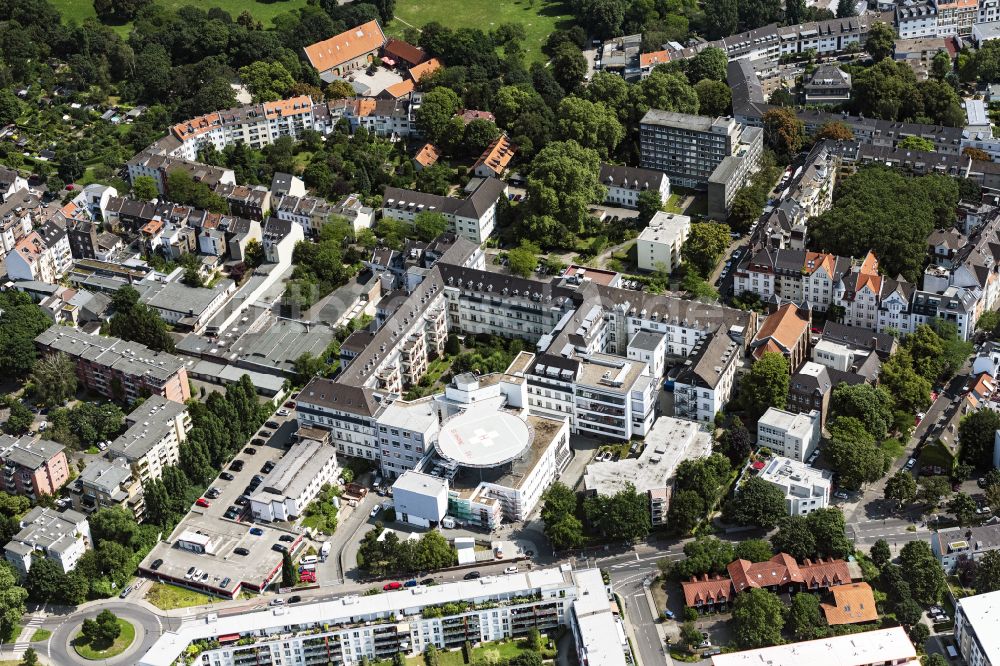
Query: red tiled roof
852, 604
707, 591
346, 46
408, 53
779, 570
425, 68
825, 573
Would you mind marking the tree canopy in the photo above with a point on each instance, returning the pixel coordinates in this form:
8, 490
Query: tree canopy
896, 229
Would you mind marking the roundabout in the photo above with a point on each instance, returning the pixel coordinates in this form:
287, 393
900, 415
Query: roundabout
142, 630
105, 647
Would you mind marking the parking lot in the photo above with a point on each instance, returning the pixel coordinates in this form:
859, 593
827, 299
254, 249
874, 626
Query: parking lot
234, 547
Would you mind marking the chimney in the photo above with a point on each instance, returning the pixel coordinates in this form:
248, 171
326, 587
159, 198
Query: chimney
806, 562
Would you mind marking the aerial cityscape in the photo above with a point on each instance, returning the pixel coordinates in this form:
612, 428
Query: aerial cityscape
521, 333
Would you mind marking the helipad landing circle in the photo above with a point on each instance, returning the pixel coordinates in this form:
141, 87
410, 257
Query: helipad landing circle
483, 438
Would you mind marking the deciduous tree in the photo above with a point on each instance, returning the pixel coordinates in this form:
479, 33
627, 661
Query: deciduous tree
758, 618
54, 379
976, 434
901, 487
757, 502
923, 572
783, 132
765, 385
804, 616
704, 245
880, 553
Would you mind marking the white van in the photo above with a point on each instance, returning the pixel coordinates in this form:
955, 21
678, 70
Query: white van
324, 551
309, 559
448, 522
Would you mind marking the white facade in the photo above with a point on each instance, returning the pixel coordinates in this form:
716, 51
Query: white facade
976, 629
658, 247
880, 647
420, 499
295, 481
806, 488
62, 537
625, 184
152, 441
917, 18
787, 434
405, 432
350, 628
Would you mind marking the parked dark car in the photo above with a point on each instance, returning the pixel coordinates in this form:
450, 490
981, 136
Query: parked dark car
226, 476
250, 451
472, 575
241, 551
273, 424
294, 599
156, 564
280, 547
286, 537
236, 465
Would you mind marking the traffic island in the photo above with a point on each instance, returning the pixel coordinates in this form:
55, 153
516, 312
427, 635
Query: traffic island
96, 648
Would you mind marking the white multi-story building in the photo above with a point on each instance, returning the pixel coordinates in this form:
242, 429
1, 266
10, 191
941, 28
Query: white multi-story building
976, 629
43, 255
348, 412
295, 481
420, 499
793, 436
61, 536
405, 432
596, 391
374, 627
649, 348
658, 247
256, 125
705, 382
624, 184
473, 217
806, 488
880, 647
965, 544
669, 442
917, 18
152, 441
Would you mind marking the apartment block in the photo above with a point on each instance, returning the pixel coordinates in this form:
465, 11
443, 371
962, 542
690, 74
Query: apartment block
956, 544
116, 368
975, 629
61, 536
473, 217
806, 488
351, 628
108, 483
882, 647
152, 440
788, 434
689, 148
704, 384
32, 467
658, 247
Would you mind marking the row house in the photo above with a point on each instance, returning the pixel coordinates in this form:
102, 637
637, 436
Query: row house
473, 217
43, 255
256, 125
764, 46
794, 275
17, 214
248, 202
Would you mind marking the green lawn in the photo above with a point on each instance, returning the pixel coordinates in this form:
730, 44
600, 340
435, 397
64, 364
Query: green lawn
506, 650
120, 645
168, 597
40, 635
264, 12
539, 17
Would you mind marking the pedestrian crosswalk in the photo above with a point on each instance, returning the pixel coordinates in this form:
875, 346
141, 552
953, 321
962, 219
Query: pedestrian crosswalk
24, 638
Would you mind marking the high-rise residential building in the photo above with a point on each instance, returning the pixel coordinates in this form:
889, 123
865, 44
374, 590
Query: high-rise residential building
697, 151
976, 629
